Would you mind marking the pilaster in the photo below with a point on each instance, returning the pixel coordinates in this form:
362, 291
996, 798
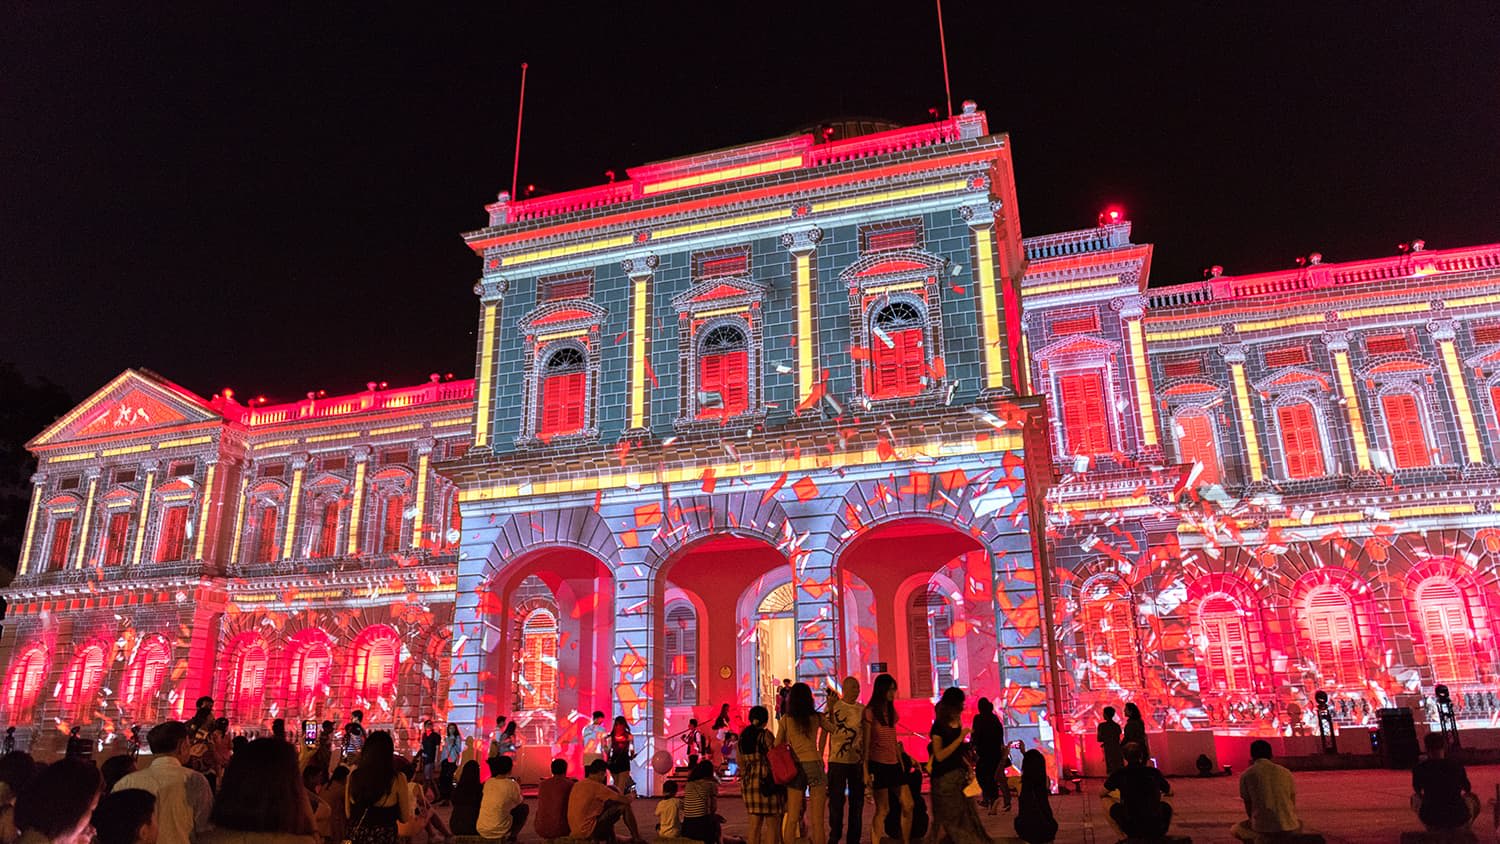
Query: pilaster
38, 483
802, 244
357, 506
145, 514
491, 291
1234, 356
1338, 348
88, 517
1443, 332
293, 503
641, 271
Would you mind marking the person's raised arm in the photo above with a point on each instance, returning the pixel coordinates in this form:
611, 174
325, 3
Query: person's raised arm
404, 799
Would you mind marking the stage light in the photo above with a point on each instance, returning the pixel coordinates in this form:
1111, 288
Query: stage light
1440, 692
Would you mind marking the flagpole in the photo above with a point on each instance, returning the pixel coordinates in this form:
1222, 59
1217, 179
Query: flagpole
943, 43
515, 170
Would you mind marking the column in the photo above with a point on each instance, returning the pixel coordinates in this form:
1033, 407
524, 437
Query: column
640, 270
819, 633
293, 501
1140, 371
145, 515
1026, 652
490, 292
803, 245
38, 483
991, 329
1235, 357
357, 506
88, 518
1338, 348
637, 686
1453, 373
207, 499
424, 462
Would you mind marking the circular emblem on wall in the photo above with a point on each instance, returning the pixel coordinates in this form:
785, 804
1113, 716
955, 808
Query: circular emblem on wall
726, 672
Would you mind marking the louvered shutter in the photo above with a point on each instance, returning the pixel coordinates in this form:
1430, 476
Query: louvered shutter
711, 380
1084, 412
736, 383
1404, 424
328, 532
266, 536
886, 366
573, 416
1334, 635
1227, 647
390, 536
173, 535
1299, 440
912, 361
553, 390
1445, 627
114, 539
1195, 444
921, 645
62, 535
1125, 668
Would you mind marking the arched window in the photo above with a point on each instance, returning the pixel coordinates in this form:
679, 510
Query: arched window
83, 678
681, 637
1447, 630
1083, 404
929, 617
390, 524
1224, 640
265, 534
308, 670
62, 536
563, 394
327, 542
1333, 631
171, 545
244, 688
539, 661
898, 361
1107, 624
723, 373
26, 675
1404, 431
376, 659
144, 676
1196, 444
1299, 439
115, 537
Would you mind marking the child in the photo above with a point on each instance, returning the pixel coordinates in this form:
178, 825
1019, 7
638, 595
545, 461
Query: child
669, 812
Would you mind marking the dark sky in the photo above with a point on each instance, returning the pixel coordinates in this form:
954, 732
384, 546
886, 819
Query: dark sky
273, 200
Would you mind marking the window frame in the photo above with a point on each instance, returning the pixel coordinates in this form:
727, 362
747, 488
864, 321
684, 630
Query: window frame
1105, 373
1316, 430
547, 329
1421, 423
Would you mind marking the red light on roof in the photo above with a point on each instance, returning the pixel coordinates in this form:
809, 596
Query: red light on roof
228, 393
1111, 215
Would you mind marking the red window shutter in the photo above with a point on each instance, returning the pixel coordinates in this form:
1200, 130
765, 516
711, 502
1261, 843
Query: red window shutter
173, 535
328, 533
728, 374
1226, 646
896, 370
1404, 424
390, 534
1108, 620
115, 537
1299, 440
1195, 444
562, 404
1081, 401
1334, 635
265, 536
62, 536
1445, 629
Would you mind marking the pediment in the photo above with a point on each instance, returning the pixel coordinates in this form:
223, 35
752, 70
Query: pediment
730, 290
1081, 345
133, 403
561, 316
895, 262
1287, 379
1192, 388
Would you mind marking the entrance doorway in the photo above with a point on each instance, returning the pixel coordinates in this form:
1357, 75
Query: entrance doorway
775, 648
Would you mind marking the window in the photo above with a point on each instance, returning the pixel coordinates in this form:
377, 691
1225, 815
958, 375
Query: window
1446, 631
125, 476
929, 617
82, 680
1487, 335
455, 532
457, 450
1333, 633
170, 546
718, 263
898, 362
1403, 425
892, 235
390, 527
1224, 641
375, 663
1085, 412
335, 464
1183, 368
273, 470
25, 680
265, 535
326, 544
1074, 322
62, 536
115, 537
246, 683
70, 482
1195, 444
681, 687
183, 469
309, 670
1107, 623
147, 671
568, 286
1286, 356
397, 457
564, 391
1299, 440
539, 661
1387, 344
723, 373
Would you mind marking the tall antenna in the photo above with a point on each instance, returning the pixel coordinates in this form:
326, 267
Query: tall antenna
943, 43
515, 170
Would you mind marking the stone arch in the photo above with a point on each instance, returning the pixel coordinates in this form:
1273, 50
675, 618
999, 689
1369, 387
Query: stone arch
946, 498
695, 518
521, 534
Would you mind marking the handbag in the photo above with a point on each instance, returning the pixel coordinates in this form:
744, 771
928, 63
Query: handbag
784, 767
972, 787
353, 830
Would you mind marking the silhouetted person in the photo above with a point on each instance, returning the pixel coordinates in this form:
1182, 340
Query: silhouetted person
1035, 823
987, 735
1135, 730
1140, 812
1443, 796
1109, 736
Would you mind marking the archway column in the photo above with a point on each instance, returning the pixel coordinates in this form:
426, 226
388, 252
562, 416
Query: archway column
634, 674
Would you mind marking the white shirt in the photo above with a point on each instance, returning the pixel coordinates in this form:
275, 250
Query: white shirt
500, 795
183, 798
1272, 795
669, 818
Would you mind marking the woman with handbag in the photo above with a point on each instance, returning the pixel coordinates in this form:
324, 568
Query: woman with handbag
954, 786
765, 801
621, 749
802, 730
884, 775
453, 751
378, 798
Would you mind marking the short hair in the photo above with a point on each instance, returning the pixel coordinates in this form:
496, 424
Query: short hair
984, 705
1109, 713
1260, 749
120, 815
704, 770
759, 715
16, 769
165, 738
261, 791
1435, 742
692, 722
501, 765
115, 768
340, 774
205, 700
357, 714
598, 715
1134, 753
559, 767
427, 723
596, 766
58, 798
669, 788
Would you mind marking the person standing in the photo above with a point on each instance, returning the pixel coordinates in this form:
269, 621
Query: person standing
621, 748
354, 734
56, 805
952, 810
552, 802
988, 739
184, 799
1444, 799
1135, 729
844, 719
692, 743
125, 817
594, 744
765, 801
782, 693
502, 812
1035, 823
10, 740
378, 797
1109, 735
330, 820
452, 752
802, 728
432, 740
886, 774
1270, 797
497, 739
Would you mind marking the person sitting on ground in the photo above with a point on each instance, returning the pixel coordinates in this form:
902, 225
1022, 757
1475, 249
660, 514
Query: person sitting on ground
261, 798
1035, 823
466, 798
377, 800
125, 817
1270, 797
184, 798
594, 808
502, 813
669, 812
1443, 800
57, 804
1141, 813
700, 805
552, 802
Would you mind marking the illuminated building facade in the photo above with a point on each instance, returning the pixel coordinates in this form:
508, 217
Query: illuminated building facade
775, 411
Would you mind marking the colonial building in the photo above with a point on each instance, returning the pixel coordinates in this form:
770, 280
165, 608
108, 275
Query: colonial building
801, 409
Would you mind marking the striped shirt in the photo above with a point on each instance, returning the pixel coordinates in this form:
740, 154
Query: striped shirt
697, 798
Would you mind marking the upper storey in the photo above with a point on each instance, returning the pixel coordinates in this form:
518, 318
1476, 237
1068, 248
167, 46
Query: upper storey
777, 282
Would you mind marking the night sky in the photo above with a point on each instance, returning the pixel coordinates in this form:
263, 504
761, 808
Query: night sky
273, 202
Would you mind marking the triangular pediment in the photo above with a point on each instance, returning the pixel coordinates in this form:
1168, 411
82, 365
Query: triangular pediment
1292, 378
724, 290
1080, 345
133, 403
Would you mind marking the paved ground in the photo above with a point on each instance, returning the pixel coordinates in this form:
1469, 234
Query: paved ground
1346, 806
